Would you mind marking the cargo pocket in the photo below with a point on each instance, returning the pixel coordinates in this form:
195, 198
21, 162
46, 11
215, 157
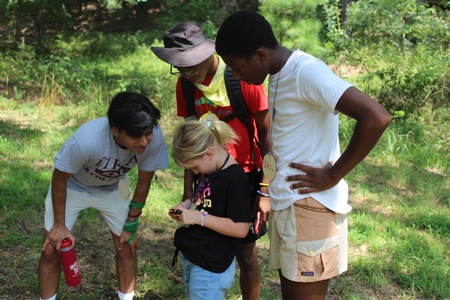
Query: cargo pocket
317, 260
317, 241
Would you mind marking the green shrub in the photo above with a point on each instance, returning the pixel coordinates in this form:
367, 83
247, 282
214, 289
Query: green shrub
295, 23
401, 47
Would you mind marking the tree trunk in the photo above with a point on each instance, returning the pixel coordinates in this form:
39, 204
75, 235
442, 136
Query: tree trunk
344, 4
18, 24
248, 5
142, 15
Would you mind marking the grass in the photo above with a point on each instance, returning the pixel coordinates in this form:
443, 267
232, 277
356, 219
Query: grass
399, 228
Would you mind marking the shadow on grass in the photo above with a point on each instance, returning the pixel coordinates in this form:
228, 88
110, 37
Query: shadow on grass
22, 193
401, 215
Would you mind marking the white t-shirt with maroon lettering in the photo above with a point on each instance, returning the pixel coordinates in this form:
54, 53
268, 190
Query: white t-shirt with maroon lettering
98, 163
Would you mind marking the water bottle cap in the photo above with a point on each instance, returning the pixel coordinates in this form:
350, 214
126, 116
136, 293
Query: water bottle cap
66, 242
66, 245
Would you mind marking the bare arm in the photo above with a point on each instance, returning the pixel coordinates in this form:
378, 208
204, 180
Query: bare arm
59, 230
224, 226
188, 191
371, 121
263, 124
140, 196
142, 189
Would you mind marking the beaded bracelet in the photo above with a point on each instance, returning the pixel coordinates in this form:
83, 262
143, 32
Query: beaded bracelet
202, 217
262, 194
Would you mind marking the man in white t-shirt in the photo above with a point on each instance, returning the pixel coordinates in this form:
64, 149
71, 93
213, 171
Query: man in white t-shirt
308, 195
90, 171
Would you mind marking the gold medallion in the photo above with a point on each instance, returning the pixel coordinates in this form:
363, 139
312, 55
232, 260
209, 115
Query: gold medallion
124, 189
209, 117
269, 166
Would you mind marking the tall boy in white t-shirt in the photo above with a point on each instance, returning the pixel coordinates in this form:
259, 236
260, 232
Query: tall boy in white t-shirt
308, 196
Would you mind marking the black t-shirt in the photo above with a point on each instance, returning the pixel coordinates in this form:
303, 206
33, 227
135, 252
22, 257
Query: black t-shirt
225, 193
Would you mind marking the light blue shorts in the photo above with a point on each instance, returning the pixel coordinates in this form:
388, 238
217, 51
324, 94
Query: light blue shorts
111, 205
201, 284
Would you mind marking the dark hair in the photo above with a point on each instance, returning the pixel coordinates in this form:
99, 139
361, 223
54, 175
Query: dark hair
242, 33
133, 113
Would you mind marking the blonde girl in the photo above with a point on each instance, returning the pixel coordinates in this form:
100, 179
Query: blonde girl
219, 214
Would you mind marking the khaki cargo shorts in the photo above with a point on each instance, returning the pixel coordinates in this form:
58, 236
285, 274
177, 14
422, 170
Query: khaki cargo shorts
308, 242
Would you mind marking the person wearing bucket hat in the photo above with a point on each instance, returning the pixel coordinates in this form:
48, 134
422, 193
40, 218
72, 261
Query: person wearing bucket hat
185, 45
192, 58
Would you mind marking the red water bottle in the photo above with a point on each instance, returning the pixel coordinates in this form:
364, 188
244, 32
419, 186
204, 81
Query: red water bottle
69, 263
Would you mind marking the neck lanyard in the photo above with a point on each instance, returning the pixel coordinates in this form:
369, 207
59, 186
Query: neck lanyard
275, 95
269, 163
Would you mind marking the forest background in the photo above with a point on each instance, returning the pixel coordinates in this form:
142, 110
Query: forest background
61, 62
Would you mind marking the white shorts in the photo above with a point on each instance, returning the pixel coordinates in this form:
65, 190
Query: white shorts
111, 205
308, 242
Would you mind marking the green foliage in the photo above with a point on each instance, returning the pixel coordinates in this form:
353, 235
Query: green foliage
403, 47
29, 20
88, 64
397, 23
407, 90
209, 15
399, 233
336, 36
295, 23
398, 228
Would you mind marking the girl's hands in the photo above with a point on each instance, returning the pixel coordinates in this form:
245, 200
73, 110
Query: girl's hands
186, 216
